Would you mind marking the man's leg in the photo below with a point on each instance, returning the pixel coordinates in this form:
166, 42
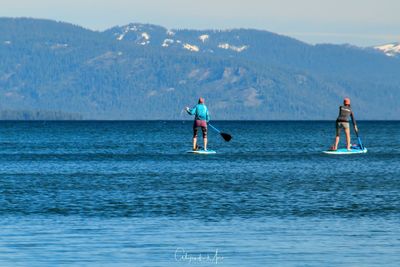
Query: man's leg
194, 138
337, 138
348, 143
204, 129
194, 143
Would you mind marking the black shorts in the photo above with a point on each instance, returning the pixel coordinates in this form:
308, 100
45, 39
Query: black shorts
202, 125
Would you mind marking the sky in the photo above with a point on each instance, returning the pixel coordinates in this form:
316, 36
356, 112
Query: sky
357, 22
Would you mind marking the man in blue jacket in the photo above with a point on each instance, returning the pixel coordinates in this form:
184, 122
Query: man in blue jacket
201, 117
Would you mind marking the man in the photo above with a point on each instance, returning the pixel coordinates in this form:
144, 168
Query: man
343, 121
201, 117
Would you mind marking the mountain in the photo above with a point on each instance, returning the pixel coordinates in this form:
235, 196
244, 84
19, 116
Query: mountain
391, 50
37, 115
143, 71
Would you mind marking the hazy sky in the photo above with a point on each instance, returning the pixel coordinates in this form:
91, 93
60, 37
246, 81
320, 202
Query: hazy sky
360, 22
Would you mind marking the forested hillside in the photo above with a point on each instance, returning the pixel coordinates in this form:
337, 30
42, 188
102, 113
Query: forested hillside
143, 71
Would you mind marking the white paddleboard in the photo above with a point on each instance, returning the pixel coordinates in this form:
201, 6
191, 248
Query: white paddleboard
204, 152
344, 151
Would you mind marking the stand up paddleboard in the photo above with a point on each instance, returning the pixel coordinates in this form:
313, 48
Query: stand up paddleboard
354, 149
344, 151
202, 151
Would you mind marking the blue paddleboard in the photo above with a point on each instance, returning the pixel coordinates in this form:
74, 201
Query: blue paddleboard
202, 151
344, 151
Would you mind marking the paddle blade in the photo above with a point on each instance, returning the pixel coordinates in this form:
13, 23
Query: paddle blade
227, 137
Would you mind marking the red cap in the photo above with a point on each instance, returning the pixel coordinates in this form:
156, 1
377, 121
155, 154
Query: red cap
201, 100
346, 101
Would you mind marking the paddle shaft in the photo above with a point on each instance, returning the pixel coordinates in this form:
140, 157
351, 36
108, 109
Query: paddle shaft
358, 137
218, 131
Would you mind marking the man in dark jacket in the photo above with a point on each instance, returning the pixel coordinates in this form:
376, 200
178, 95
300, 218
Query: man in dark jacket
343, 121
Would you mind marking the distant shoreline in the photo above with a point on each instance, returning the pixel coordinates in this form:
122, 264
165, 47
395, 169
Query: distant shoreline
34, 115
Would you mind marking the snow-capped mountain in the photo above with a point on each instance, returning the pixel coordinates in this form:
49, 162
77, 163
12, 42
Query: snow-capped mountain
207, 41
391, 50
236, 43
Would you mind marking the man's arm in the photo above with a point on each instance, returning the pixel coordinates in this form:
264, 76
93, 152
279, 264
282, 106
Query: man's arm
191, 111
354, 121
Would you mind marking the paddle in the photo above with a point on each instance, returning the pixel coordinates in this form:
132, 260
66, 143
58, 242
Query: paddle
358, 137
227, 137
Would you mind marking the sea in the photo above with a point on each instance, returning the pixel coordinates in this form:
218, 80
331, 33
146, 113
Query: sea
127, 193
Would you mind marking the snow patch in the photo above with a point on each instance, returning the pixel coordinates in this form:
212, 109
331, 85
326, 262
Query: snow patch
232, 47
167, 42
129, 28
58, 46
390, 50
133, 28
204, 37
190, 47
145, 36
122, 35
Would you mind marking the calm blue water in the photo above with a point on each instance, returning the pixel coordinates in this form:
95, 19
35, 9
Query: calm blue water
127, 194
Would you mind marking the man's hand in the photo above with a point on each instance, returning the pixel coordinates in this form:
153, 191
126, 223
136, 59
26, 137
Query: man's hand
187, 109
356, 128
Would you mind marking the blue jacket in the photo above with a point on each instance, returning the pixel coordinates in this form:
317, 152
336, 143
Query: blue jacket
200, 112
